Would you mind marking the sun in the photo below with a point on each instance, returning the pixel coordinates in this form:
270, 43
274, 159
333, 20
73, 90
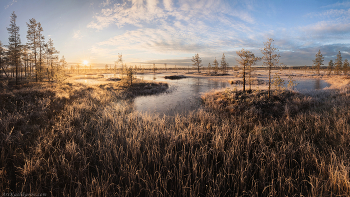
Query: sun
85, 62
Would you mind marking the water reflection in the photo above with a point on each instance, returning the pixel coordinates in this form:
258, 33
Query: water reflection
318, 84
184, 96
311, 85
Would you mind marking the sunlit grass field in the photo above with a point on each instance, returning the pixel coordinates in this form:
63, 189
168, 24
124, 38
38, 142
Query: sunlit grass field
85, 140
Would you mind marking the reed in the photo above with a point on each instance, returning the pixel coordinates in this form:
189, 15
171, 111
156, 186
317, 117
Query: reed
76, 140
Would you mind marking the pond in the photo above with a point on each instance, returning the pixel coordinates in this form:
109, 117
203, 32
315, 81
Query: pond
182, 97
184, 94
308, 85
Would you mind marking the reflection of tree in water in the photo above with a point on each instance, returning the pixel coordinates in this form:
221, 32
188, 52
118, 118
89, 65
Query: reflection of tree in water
196, 87
317, 84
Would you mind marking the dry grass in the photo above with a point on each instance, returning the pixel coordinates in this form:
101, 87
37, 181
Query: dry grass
76, 140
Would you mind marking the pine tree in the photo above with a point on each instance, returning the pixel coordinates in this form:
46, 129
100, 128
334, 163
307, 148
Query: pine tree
59, 73
330, 67
318, 61
209, 67
252, 61
120, 60
33, 42
246, 58
50, 54
338, 63
345, 66
41, 43
223, 64
2, 59
197, 62
270, 58
14, 47
216, 66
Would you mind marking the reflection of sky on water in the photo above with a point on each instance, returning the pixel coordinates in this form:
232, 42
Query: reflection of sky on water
184, 95
309, 85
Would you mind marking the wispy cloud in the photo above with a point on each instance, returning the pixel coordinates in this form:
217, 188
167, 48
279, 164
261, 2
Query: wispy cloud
338, 4
327, 28
338, 13
167, 26
10, 3
77, 34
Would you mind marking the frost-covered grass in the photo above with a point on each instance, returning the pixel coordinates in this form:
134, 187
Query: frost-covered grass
77, 140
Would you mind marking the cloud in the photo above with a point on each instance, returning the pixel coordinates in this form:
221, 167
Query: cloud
140, 12
10, 4
166, 26
327, 29
77, 34
338, 4
331, 13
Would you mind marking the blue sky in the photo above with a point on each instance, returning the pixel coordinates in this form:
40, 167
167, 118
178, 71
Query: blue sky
172, 31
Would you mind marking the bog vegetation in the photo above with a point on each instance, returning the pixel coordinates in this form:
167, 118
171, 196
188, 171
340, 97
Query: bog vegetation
65, 139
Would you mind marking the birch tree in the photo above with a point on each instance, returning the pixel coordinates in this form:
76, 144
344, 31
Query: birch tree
271, 58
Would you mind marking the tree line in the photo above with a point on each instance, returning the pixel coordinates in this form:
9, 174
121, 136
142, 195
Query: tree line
246, 59
36, 60
338, 65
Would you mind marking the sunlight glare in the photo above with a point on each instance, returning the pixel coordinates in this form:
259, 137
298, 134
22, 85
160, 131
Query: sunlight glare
85, 62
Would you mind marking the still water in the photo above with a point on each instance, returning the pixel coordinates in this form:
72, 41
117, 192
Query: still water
184, 94
310, 85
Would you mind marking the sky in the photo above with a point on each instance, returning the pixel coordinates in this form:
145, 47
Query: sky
173, 31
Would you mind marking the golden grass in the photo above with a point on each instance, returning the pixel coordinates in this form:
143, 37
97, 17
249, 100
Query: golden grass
76, 140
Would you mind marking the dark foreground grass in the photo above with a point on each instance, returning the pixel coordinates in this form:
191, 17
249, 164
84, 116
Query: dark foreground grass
86, 141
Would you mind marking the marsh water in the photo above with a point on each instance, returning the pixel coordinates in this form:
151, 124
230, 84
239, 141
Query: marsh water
184, 94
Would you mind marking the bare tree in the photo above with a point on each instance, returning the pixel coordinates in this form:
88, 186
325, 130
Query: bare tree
318, 61
14, 47
271, 58
338, 63
196, 62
